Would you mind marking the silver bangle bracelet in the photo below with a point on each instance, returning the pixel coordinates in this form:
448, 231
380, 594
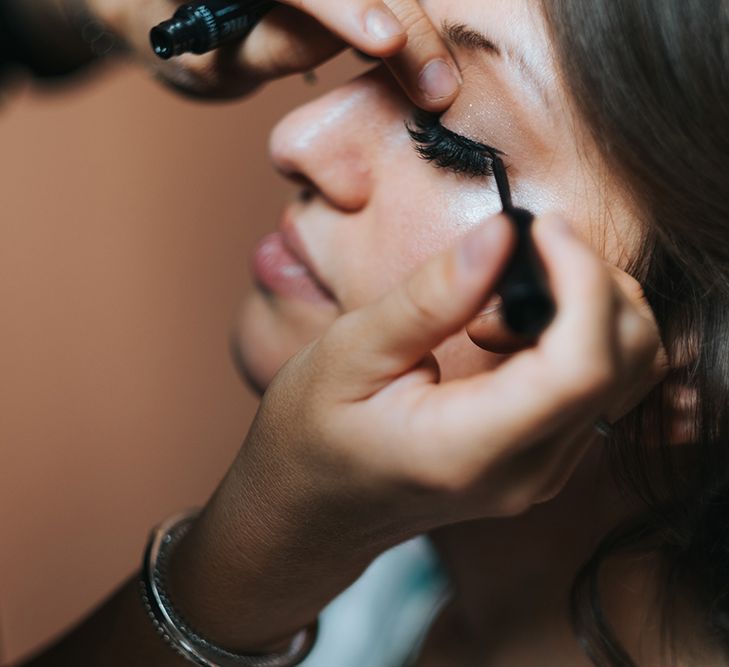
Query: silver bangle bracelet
176, 632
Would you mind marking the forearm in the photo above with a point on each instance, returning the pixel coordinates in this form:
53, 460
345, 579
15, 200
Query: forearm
270, 555
253, 571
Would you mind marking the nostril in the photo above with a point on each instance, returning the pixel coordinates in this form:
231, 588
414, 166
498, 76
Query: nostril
315, 148
307, 185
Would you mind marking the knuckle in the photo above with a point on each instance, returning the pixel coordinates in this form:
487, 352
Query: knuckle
641, 338
335, 343
589, 378
630, 286
551, 486
548, 493
440, 475
596, 280
599, 376
419, 28
661, 364
633, 289
595, 286
638, 300
422, 36
410, 14
537, 481
650, 342
514, 505
192, 76
417, 305
427, 478
274, 56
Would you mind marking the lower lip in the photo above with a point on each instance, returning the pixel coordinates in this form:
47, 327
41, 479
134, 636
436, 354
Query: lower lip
276, 269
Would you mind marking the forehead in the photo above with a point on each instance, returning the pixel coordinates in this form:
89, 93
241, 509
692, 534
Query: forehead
514, 98
503, 49
517, 26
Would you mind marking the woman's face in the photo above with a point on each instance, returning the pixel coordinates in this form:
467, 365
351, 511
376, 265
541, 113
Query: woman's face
375, 209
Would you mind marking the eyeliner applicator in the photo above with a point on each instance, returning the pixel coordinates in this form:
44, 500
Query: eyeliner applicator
528, 306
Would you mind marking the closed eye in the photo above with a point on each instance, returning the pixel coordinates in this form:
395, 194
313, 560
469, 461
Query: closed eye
448, 150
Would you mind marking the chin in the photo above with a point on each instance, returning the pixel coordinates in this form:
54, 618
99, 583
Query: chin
269, 330
254, 379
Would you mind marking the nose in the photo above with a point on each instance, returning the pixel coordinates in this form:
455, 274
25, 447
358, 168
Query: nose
334, 142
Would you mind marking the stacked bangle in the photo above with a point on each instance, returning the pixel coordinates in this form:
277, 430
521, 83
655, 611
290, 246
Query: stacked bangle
173, 629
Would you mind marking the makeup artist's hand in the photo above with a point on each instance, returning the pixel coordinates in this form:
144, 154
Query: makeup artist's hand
296, 37
358, 444
366, 411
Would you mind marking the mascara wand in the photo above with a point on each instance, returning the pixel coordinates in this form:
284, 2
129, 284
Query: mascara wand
528, 306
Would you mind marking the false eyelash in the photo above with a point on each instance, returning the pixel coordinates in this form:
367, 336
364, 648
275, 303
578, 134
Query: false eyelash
449, 150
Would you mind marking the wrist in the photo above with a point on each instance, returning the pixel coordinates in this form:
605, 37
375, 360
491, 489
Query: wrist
250, 578
177, 631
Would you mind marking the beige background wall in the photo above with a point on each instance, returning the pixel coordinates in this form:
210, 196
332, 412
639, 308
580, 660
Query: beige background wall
127, 217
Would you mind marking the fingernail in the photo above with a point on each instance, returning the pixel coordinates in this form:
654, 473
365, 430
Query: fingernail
438, 80
381, 24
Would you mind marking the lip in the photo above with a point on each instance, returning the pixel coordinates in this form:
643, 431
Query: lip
292, 241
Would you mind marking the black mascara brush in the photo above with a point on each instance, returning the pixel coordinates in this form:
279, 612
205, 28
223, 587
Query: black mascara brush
527, 306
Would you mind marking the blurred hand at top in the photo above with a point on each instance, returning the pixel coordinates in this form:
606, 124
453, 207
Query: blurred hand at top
294, 37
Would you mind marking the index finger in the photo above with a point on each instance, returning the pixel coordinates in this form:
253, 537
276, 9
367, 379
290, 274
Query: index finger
400, 32
568, 376
425, 67
374, 344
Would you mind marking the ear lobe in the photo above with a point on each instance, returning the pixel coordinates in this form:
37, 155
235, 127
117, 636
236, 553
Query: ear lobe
490, 333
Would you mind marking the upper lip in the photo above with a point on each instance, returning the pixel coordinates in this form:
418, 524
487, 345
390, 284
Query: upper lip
292, 240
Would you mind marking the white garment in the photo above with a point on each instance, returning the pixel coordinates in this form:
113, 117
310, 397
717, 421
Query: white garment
383, 617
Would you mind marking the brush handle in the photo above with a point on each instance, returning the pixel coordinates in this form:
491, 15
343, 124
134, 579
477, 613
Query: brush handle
528, 306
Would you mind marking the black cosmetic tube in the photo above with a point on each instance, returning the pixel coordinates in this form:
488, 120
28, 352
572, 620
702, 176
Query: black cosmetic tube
527, 304
199, 27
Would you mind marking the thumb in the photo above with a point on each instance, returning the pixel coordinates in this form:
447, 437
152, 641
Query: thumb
392, 335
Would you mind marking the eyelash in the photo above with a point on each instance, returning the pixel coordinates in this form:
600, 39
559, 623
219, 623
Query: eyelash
448, 150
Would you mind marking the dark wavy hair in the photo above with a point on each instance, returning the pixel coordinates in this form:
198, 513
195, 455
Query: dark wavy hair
650, 79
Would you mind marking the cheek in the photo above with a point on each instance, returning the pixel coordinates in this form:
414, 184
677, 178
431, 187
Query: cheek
577, 185
268, 331
416, 213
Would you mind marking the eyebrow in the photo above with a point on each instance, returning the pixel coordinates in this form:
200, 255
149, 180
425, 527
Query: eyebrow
460, 35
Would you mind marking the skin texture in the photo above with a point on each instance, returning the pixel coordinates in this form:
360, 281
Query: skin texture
346, 455
380, 210
294, 37
375, 212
